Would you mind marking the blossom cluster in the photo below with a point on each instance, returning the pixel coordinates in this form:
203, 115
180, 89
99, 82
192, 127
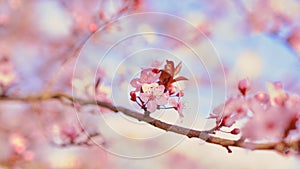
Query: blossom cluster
272, 115
156, 89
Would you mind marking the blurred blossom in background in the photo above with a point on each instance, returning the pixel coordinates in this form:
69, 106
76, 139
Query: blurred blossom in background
67, 45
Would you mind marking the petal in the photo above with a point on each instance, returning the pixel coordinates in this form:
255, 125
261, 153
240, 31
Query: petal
148, 88
147, 76
179, 109
217, 111
154, 77
135, 83
145, 97
163, 99
255, 106
159, 90
173, 102
151, 106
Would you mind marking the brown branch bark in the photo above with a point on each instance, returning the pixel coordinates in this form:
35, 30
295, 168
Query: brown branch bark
207, 136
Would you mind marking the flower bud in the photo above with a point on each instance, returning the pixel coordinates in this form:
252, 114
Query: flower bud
132, 96
244, 86
235, 131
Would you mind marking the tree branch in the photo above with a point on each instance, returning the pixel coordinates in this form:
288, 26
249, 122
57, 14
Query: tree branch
281, 147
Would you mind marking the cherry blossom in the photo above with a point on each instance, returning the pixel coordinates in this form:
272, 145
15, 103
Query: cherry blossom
177, 106
155, 86
148, 76
154, 95
269, 121
272, 118
272, 115
227, 114
233, 109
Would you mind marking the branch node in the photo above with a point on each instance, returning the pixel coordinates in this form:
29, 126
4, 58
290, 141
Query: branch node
146, 114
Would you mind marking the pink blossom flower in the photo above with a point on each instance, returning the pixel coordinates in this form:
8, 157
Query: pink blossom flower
227, 114
153, 96
271, 121
177, 106
148, 76
274, 115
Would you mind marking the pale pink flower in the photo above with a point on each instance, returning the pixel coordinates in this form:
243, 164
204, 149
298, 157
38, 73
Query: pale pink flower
256, 104
148, 76
153, 96
273, 115
177, 106
227, 114
271, 121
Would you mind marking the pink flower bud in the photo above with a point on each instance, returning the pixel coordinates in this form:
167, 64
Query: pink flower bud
93, 27
262, 97
244, 86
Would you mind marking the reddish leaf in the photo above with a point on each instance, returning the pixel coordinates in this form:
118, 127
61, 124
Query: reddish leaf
180, 78
165, 78
178, 68
169, 67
